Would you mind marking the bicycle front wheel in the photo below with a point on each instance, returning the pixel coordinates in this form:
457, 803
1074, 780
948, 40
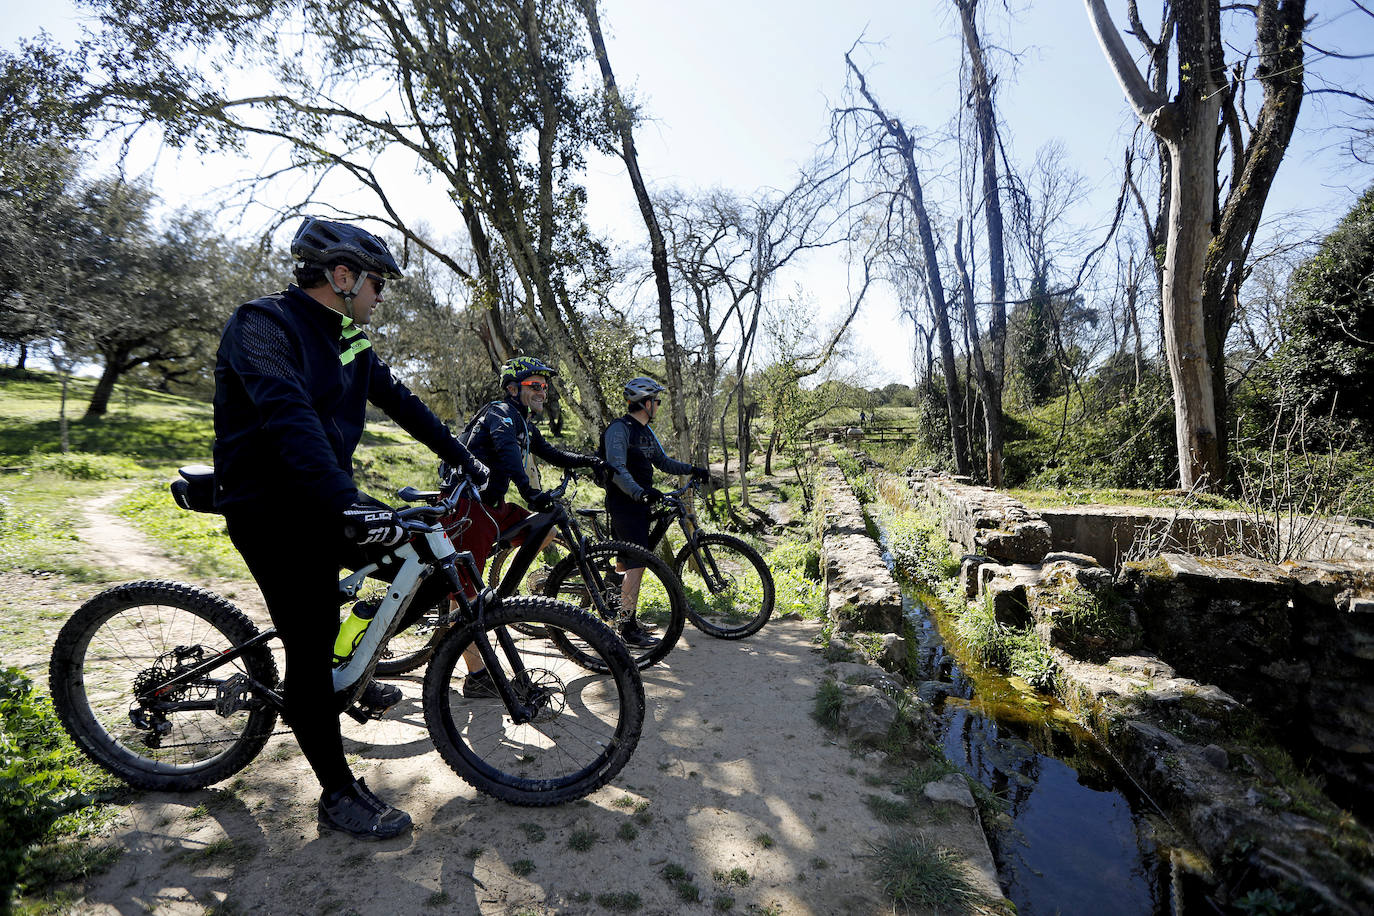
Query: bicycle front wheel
118, 648
659, 608
586, 725
729, 587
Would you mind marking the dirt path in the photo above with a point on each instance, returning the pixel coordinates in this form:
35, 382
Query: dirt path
731, 777
114, 543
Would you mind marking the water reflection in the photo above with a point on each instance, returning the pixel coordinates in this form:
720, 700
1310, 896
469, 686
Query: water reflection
1074, 836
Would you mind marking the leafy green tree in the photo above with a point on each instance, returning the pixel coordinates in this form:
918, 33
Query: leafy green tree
1328, 356
486, 99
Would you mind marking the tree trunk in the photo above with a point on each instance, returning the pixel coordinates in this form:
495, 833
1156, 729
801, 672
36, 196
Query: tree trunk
986, 384
100, 400
1192, 178
658, 251
992, 211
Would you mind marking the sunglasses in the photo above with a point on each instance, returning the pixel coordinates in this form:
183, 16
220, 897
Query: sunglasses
535, 385
378, 283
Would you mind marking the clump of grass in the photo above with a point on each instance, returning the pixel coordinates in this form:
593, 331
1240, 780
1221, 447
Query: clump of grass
620, 902
522, 867
915, 872
736, 876
920, 551
48, 793
533, 832
765, 840
723, 903
926, 771
826, 709
627, 832
438, 898
681, 881
583, 840
888, 810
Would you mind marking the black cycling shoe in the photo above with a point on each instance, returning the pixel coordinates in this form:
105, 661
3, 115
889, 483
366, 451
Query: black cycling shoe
379, 697
479, 685
359, 813
635, 635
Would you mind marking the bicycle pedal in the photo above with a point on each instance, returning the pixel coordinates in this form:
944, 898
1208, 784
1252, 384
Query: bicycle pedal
362, 714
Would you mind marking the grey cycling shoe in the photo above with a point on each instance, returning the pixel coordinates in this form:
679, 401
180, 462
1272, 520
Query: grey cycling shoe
479, 685
636, 635
359, 813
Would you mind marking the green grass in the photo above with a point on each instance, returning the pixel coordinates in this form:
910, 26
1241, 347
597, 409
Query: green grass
49, 796
915, 872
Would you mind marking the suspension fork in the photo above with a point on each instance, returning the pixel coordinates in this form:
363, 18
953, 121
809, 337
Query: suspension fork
700, 554
476, 611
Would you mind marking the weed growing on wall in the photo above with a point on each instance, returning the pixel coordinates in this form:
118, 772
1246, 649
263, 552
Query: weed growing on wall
920, 552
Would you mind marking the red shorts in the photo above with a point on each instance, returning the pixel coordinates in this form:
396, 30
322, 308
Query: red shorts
487, 524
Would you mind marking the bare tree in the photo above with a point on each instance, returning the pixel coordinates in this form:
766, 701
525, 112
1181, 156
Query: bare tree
992, 369
621, 118
1207, 241
884, 136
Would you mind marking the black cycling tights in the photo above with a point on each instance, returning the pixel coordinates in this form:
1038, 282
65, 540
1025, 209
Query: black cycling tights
299, 578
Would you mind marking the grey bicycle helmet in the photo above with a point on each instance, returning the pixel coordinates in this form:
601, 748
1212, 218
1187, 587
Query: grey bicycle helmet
637, 389
322, 243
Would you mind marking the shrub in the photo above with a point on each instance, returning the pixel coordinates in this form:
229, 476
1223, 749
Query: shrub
43, 780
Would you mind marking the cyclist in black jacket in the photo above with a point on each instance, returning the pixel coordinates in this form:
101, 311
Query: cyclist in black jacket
292, 380
502, 436
632, 451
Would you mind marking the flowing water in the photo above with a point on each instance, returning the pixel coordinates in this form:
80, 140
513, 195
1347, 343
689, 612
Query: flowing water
1075, 835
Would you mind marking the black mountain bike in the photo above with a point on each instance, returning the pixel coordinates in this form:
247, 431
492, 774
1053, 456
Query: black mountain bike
573, 569
171, 687
729, 587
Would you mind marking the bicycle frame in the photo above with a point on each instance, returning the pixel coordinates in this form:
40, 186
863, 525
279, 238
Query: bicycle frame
674, 508
428, 552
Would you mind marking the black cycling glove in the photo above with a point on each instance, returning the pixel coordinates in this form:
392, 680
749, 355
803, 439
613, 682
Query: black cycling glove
702, 474
650, 495
542, 501
365, 524
477, 472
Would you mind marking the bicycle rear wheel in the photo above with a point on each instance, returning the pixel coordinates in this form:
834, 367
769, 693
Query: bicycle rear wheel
729, 587
115, 651
660, 608
587, 725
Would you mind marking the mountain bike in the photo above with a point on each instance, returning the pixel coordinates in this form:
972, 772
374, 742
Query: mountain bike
574, 569
729, 587
172, 687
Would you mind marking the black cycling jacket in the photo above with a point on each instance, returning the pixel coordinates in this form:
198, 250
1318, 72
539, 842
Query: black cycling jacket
292, 382
500, 436
633, 451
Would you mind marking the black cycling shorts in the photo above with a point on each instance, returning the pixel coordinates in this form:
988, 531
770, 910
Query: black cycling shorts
630, 523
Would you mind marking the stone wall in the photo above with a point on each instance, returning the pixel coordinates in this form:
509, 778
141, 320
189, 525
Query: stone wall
860, 590
1294, 643
982, 520
1193, 652
1112, 534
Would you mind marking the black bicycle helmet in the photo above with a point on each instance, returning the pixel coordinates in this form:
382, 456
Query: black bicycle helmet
322, 243
518, 368
637, 389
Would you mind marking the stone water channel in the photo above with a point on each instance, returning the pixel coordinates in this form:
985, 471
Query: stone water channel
1075, 834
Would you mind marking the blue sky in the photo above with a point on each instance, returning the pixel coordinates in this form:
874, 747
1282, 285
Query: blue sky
737, 95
